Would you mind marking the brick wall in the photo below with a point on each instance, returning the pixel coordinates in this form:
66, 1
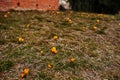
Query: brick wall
29, 5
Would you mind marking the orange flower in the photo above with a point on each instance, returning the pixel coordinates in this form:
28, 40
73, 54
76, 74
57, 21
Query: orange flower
72, 60
55, 37
26, 71
54, 50
21, 40
49, 66
23, 75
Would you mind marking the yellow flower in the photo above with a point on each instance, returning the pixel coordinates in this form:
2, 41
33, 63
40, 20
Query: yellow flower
68, 20
5, 15
26, 70
49, 66
21, 40
28, 25
94, 27
54, 50
97, 21
72, 60
41, 52
55, 37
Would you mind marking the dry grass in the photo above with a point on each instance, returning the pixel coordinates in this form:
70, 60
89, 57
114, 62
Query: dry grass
91, 39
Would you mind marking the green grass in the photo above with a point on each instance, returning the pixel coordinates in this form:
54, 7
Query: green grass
43, 76
96, 51
5, 65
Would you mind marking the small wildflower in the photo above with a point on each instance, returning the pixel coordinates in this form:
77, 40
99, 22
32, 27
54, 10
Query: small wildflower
72, 60
28, 25
49, 66
41, 52
69, 20
26, 70
55, 37
5, 15
21, 40
54, 50
23, 75
97, 21
94, 27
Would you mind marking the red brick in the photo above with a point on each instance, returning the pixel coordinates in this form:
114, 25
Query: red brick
29, 4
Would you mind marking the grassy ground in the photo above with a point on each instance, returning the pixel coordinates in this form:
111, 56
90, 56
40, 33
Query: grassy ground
91, 40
